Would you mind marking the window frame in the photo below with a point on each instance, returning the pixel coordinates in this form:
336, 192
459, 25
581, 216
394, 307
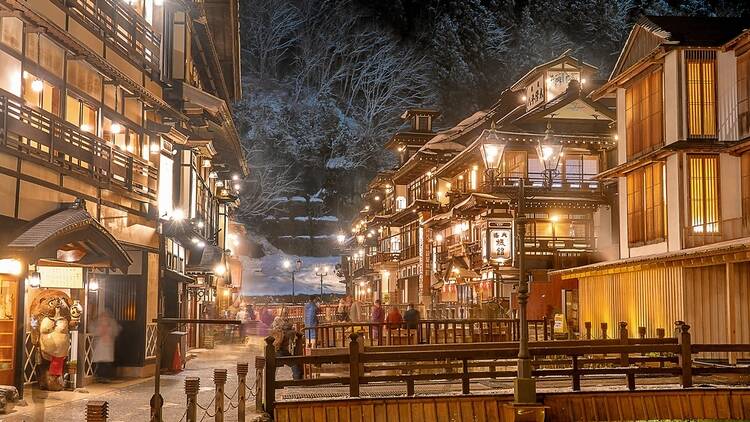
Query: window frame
706, 127
708, 227
646, 205
640, 129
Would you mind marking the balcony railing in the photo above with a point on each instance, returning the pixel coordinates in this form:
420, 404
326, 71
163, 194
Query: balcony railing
123, 26
383, 257
53, 140
720, 231
411, 251
571, 184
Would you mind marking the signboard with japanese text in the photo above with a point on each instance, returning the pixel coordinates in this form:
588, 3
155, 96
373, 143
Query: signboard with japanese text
60, 277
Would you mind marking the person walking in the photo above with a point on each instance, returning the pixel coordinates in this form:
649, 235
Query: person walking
311, 320
411, 317
355, 311
105, 330
377, 318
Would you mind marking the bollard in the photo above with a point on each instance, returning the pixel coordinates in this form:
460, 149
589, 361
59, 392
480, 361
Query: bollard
269, 377
220, 378
642, 332
354, 372
96, 411
242, 370
603, 326
260, 363
587, 326
624, 341
192, 386
686, 357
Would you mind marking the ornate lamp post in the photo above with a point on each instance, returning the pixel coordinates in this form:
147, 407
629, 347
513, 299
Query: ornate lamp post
549, 151
321, 272
293, 270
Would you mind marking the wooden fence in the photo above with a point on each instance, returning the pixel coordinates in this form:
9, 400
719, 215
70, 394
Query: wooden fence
437, 331
620, 356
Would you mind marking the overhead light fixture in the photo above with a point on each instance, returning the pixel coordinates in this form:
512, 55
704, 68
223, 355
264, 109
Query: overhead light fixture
37, 85
93, 285
200, 224
115, 128
178, 214
220, 269
201, 244
235, 177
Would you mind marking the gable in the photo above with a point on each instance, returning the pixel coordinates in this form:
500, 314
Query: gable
578, 109
641, 42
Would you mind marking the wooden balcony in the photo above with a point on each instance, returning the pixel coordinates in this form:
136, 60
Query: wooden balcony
122, 26
409, 252
35, 133
720, 231
578, 186
385, 257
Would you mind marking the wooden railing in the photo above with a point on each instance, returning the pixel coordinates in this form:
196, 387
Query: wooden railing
621, 356
122, 26
443, 331
576, 184
410, 251
49, 138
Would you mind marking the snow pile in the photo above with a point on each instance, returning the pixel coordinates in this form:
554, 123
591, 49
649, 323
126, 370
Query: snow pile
326, 218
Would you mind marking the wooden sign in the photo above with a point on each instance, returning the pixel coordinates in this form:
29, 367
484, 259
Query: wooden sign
535, 93
61, 277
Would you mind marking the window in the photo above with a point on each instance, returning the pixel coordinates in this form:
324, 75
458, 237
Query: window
514, 164
743, 94
11, 32
42, 94
45, 53
82, 76
580, 167
10, 73
701, 87
646, 204
643, 114
704, 193
81, 114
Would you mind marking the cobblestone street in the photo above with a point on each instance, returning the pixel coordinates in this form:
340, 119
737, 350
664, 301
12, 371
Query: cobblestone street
129, 400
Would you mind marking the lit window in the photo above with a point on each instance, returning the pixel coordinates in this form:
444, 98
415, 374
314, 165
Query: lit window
704, 193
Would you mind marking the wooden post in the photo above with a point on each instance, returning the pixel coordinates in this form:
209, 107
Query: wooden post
410, 386
686, 357
587, 327
96, 411
545, 323
465, 377
220, 378
677, 329
353, 365
603, 327
260, 363
631, 380
661, 333
576, 374
192, 386
242, 370
624, 341
269, 377
641, 332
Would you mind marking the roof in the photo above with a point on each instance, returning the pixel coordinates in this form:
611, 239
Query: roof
565, 57
719, 248
206, 260
695, 31
71, 225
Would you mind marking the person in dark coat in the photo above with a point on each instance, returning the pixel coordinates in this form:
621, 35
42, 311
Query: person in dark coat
411, 317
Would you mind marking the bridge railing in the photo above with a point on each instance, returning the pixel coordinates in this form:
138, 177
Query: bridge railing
619, 356
429, 331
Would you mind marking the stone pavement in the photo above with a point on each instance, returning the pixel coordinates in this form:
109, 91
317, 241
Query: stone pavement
129, 400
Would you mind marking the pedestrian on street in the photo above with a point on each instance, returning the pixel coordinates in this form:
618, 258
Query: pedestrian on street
377, 318
311, 319
266, 317
411, 317
342, 311
355, 311
394, 318
105, 330
287, 342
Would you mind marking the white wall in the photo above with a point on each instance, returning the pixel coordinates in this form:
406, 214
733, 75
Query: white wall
730, 187
726, 88
674, 223
672, 91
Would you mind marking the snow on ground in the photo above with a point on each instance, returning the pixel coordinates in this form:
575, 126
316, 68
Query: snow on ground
267, 275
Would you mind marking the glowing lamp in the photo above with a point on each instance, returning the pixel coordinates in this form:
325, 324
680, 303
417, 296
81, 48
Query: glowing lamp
37, 85
34, 279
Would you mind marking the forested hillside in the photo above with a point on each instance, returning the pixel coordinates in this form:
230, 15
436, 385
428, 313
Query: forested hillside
326, 81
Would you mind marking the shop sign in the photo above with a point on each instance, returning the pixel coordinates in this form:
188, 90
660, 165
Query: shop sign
61, 277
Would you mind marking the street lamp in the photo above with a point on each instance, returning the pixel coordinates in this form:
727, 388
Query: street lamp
297, 266
549, 151
321, 272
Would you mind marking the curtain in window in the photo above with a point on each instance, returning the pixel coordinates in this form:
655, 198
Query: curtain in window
704, 193
701, 87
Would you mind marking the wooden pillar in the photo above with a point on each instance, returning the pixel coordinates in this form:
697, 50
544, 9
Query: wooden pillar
603, 327
260, 363
96, 411
269, 376
220, 378
242, 370
623, 341
353, 365
686, 357
587, 327
192, 386
731, 275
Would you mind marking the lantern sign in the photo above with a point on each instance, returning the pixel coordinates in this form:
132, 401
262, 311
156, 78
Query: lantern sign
60, 277
501, 243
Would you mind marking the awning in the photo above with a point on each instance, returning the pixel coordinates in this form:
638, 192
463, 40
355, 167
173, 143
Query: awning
178, 277
206, 260
70, 235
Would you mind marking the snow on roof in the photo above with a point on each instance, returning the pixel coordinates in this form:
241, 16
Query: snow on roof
298, 199
280, 199
443, 140
339, 163
315, 199
303, 218
269, 217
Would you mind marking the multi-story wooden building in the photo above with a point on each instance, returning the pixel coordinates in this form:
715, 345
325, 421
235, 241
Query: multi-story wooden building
115, 129
683, 178
438, 230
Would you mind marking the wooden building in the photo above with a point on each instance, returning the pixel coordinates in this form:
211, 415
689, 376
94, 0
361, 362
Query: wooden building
117, 143
439, 229
683, 178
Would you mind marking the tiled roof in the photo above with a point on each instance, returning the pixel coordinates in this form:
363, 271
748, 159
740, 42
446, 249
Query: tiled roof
697, 31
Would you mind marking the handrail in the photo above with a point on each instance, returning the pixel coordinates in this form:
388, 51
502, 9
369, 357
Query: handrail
128, 30
57, 141
624, 355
